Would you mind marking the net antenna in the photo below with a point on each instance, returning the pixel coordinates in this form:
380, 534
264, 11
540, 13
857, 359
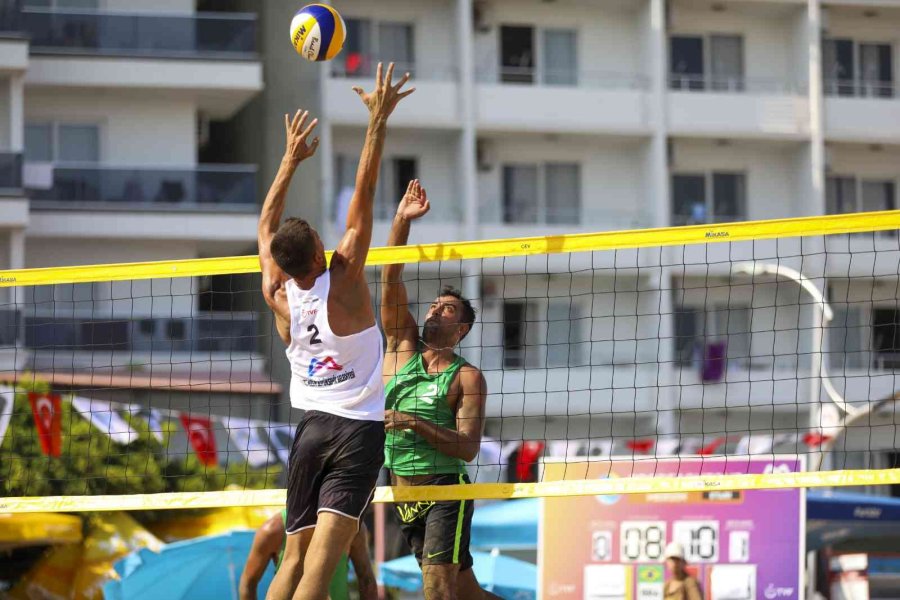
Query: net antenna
850, 414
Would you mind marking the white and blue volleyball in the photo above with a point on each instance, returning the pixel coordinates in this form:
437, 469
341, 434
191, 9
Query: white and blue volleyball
318, 32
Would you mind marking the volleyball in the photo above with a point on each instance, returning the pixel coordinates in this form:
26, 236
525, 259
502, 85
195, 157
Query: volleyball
318, 32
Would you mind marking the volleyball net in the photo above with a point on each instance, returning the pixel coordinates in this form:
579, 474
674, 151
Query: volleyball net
164, 385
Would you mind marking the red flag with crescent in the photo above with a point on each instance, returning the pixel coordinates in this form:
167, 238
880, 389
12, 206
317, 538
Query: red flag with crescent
200, 433
46, 409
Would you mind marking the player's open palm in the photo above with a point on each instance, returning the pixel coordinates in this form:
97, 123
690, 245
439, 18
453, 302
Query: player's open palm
382, 101
296, 146
414, 203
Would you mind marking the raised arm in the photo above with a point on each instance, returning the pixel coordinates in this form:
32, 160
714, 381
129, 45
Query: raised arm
273, 278
354, 246
465, 441
398, 322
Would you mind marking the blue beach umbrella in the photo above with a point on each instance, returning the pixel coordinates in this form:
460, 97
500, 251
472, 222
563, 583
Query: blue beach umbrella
505, 576
507, 525
202, 568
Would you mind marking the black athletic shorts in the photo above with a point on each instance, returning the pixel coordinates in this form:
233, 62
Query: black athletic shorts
334, 465
438, 532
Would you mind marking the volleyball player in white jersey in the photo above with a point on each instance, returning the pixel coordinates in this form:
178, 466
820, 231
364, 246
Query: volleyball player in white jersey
324, 314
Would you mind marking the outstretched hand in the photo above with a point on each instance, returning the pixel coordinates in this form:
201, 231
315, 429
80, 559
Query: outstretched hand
382, 101
296, 147
414, 203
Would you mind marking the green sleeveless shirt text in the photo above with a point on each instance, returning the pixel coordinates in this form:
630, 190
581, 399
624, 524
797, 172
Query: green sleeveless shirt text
416, 392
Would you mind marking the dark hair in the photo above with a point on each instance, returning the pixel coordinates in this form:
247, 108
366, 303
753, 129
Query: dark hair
294, 247
468, 312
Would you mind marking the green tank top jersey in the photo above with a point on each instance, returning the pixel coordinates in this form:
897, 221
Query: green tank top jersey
416, 392
339, 589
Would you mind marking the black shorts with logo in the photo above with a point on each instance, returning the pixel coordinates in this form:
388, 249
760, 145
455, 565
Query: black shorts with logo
438, 532
334, 465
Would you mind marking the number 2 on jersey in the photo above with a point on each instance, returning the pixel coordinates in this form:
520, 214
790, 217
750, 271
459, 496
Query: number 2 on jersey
315, 339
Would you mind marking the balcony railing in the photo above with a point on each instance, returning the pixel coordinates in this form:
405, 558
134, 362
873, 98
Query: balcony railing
10, 171
223, 35
10, 15
733, 84
206, 332
364, 66
562, 78
93, 186
860, 89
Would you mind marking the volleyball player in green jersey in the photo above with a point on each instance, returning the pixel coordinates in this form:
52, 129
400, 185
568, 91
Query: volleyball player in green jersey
268, 545
434, 417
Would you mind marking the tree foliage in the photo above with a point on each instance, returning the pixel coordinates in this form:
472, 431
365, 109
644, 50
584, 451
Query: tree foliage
91, 463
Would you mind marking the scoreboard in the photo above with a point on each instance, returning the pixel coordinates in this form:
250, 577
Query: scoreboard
740, 545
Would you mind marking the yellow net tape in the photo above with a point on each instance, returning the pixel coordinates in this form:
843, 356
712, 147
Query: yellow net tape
579, 242
481, 491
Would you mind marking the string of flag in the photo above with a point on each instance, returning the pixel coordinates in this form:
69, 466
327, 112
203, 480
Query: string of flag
261, 443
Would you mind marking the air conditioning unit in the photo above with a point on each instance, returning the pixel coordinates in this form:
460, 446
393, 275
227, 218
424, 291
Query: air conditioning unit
484, 155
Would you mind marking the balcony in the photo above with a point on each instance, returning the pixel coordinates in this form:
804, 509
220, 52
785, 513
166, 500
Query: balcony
434, 105
204, 333
570, 100
204, 188
737, 106
13, 42
209, 57
865, 111
210, 35
208, 202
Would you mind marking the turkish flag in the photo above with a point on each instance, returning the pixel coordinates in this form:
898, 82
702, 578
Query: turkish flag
640, 446
200, 433
815, 439
47, 412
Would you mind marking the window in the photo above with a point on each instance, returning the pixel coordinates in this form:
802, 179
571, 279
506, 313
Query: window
848, 194
520, 48
708, 198
848, 336
517, 54
38, 142
840, 195
396, 173
567, 333
727, 62
548, 193
886, 337
62, 142
369, 43
696, 328
514, 326
686, 62
560, 62
691, 57
520, 194
857, 69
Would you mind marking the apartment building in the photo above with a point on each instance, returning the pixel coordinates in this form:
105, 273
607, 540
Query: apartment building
110, 113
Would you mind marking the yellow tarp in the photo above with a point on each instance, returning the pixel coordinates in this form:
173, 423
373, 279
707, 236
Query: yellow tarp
220, 520
78, 571
39, 529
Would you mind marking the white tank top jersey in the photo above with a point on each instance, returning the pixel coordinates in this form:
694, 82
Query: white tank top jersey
340, 375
